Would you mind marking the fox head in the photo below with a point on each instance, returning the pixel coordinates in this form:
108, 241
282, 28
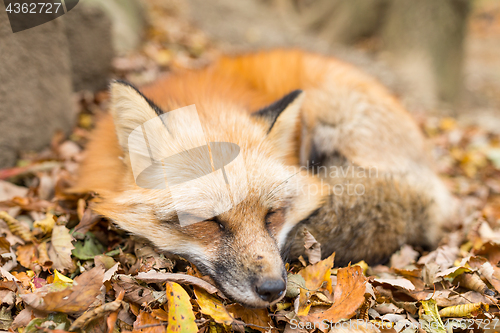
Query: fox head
243, 212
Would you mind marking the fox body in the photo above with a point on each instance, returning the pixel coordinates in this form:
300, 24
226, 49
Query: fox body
337, 155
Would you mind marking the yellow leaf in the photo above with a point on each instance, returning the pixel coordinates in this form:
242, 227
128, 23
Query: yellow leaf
463, 310
212, 307
47, 224
16, 227
60, 281
363, 265
430, 319
180, 310
304, 303
448, 124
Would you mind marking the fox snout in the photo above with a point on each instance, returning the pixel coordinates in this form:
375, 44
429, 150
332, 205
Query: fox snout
270, 289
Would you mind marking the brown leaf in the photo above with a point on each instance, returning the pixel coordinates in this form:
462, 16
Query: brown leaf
157, 277
396, 282
313, 248
26, 255
9, 190
348, 297
133, 291
71, 300
405, 256
258, 319
89, 219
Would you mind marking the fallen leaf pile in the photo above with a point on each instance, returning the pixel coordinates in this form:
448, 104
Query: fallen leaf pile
64, 269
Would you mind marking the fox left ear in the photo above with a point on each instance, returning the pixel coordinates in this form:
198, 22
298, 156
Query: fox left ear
129, 108
282, 117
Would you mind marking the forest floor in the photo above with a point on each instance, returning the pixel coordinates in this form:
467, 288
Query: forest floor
65, 269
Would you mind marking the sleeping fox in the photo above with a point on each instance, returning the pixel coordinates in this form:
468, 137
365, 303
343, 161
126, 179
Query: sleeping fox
324, 147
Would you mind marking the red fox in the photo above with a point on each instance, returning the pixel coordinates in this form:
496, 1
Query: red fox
337, 155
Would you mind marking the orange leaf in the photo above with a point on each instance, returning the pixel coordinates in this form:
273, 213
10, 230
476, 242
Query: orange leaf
26, 255
315, 275
148, 323
349, 296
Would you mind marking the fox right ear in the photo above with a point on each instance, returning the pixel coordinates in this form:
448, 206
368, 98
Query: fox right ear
130, 109
282, 118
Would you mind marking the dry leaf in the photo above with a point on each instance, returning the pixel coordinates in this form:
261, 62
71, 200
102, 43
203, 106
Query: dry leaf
155, 277
318, 274
47, 224
464, 310
212, 306
430, 319
397, 282
313, 248
71, 300
258, 319
26, 255
133, 291
16, 227
405, 256
60, 249
146, 323
180, 311
348, 297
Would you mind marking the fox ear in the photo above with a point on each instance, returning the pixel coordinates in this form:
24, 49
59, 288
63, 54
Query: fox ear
130, 109
282, 117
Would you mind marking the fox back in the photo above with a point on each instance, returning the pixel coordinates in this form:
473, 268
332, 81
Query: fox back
295, 118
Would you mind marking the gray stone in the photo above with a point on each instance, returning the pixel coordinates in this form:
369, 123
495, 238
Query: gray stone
35, 87
128, 19
88, 30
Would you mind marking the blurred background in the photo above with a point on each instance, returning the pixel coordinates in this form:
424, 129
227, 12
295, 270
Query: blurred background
440, 57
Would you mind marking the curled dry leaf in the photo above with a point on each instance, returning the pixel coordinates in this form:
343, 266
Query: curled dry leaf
16, 227
348, 297
71, 300
464, 310
313, 248
473, 282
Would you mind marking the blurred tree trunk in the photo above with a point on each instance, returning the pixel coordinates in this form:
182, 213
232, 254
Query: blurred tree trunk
422, 38
425, 38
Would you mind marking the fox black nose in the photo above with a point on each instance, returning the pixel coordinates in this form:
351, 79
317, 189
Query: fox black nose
270, 290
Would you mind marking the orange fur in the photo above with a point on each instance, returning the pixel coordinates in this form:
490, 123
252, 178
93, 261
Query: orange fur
344, 113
